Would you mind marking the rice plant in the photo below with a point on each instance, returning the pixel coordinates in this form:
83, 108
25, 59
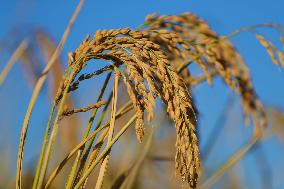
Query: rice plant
146, 65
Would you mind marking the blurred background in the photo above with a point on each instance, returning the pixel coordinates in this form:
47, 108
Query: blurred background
39, 25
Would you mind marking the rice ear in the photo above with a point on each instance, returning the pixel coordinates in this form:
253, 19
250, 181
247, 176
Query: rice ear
148, 75
270, 48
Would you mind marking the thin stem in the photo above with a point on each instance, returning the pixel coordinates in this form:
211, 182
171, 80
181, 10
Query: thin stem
54, 130
72, 174
91, 120
43, 147
252, 27
35, 94
110, 134
94, 153
70, 155
46, 136
86, 154
161, 158
105, 151
126, 108
15, 56
56, 171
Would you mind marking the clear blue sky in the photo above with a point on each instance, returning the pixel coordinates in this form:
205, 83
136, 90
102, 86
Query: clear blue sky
223, 16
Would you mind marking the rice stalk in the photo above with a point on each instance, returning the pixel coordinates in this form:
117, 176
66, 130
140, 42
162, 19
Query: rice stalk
14, 58
105, 160
73, 175
93, 155
54, 129
48, 130
47, 46
91, 136
30, 64
43, 148
46, 138
35, 94
105, 151
71, 154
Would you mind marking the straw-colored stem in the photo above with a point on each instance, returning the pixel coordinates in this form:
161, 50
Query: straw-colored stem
126, 108
85, 155
15, 56
252, 27
46, 136
95, 152
43, 147
35, 94
75, 165
54, 130
104, 164
56, 171
90, 123
105, 151
70, 155
97, 147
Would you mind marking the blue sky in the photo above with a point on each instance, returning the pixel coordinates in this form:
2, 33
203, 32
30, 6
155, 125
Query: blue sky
223, 16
